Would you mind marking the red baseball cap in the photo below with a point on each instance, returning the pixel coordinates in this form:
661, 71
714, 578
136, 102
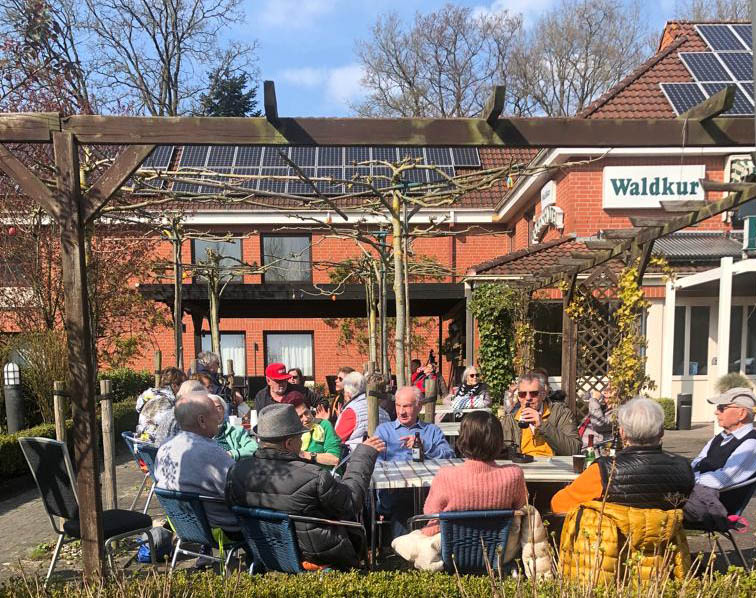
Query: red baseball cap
277, 371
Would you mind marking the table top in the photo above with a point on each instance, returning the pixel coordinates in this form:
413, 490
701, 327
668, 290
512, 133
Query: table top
450, 428
411, 474
448, 409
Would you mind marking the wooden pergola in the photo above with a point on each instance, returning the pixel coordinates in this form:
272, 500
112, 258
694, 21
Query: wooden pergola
72, 209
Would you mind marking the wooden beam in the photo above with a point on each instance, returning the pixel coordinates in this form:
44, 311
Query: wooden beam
599, 244
621, 233
127, 162
28, 181
494, 105
509, 132
32, 127
688, 205
81, 361
645, 256
270, 102
644, 222
582, 255
569, 262
708, 185
713, 106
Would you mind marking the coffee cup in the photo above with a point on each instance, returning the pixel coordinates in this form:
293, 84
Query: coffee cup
252, 418
235, 421
578, 463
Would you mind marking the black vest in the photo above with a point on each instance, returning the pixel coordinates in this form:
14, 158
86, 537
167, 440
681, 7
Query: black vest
717, 455
646, 478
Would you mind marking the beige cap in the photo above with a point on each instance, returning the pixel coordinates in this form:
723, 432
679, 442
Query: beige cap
740, 396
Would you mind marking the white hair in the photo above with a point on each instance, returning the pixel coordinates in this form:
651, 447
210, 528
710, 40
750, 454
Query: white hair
190, 407
190, 386
468, 370
414, 390
208, 359
354, 384
642, 421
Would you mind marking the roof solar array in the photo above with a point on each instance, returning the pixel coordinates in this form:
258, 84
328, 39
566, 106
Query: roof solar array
730, 62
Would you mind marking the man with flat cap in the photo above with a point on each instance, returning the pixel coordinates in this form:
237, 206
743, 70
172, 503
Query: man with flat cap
727, 459
277, 478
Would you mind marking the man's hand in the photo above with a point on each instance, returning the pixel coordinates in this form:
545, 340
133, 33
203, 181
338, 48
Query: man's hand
237, 398
305, 455
407, 441
376, 443
531, 416
321, 412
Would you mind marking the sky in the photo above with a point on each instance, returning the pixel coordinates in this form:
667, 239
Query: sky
308, 46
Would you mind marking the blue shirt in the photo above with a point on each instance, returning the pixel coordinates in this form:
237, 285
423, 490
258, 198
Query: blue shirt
432, 437
740, 466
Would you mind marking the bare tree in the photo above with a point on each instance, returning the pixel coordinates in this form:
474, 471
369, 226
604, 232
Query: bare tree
711, 10
578, 50
442, 65
159, 52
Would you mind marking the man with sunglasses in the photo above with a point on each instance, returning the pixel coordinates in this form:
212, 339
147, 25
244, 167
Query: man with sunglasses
727, 459
538, 426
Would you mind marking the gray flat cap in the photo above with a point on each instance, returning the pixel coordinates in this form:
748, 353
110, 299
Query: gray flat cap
278, 421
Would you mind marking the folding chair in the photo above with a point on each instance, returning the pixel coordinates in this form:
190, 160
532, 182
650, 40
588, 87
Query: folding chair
144, 454
463, 535
53, 473
186, 514
271, 537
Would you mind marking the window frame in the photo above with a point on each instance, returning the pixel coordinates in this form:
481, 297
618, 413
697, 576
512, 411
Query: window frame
242, 333
307, 236
198, 278
688, 306
311, 333
743, 337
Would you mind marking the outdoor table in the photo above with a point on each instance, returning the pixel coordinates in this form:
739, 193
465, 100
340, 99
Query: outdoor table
450, 428
446, 410
393, 475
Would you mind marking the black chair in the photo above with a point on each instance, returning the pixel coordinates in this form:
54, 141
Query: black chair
254, 385
53, 473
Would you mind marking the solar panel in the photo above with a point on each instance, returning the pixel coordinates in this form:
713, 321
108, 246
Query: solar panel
414, 153
739, 63
742, 104
384, 154
704, 66
246, 183
182, 187
720, 38
744, 33
300, 187
358, 174
329, 188
275, 186
212, 189
160, 157
683, 96
303, 155
221, 155
272, 155
193, 156
415, 175
356, 154
438, 155
466, 156
330, 156
248, 155
381, 177
434, 176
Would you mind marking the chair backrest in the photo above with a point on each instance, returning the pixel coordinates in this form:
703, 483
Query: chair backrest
143, 451
736, 499
187, 515
53, 473
271, 537
461, 535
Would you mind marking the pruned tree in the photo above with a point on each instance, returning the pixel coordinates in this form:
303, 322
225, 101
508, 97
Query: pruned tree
441, 65
713, 10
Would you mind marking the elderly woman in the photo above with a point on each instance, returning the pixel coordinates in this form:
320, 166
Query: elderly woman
235, 441
155, 408
471, 394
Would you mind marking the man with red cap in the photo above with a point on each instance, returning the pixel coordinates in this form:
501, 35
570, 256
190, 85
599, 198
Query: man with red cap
277, 377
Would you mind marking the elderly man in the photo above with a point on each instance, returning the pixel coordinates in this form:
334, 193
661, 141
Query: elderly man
537, 426
278, 385
353, 420
192, 461
277, 478
727, 459
232, 439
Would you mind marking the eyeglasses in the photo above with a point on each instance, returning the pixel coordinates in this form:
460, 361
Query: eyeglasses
473, 375
340, 378
525, 393
721, 408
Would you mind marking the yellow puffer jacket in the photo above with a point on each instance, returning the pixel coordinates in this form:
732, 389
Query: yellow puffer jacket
629, 537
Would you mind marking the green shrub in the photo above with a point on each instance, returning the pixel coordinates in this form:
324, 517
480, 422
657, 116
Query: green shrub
12, 462
732, 380
126, 382
669, 406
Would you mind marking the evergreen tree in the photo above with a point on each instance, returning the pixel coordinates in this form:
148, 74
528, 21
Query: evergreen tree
227, 96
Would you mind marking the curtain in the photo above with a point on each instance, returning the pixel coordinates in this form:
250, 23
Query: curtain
232, 347
293, 350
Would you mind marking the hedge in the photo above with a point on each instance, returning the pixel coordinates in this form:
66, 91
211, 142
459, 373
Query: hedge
669, 406
407, 584
127, 382
12, 462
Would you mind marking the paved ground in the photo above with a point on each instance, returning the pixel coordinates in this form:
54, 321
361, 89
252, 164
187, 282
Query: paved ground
24, 525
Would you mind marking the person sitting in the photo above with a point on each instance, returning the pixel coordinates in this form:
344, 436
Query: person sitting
320, 444
192, 461
278, 384
276, 478
332, 410
471, 394
353, 421
727, 459
549, 427
643, 489
155, 407
236, 441
297, 377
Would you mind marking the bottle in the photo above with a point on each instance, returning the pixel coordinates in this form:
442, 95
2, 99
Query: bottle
616, 443
364, 436
590, 452
417, 448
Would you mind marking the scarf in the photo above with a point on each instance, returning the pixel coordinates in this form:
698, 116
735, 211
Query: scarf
465, 397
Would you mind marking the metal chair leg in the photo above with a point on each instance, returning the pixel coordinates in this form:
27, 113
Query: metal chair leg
56, 554
139, 492
149, 499
729, 536
722, 552
176, 551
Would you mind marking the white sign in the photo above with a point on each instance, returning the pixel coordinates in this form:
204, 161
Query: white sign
645, 186
548, 195
551, 216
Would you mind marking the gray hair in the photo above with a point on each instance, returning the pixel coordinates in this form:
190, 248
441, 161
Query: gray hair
354, 384
416, 394
642, 421
190, 386
532, 377
190, 407
468, 370
208, 359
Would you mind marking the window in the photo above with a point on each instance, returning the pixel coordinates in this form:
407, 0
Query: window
233, 346
691, 345
231, 250
287, 257
293, 349
743, 339
547, 321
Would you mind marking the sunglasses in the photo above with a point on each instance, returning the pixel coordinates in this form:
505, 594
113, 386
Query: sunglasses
473, 375
340, 378
721, 408
525, 393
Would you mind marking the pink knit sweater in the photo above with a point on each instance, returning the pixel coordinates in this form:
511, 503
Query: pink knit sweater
474, 485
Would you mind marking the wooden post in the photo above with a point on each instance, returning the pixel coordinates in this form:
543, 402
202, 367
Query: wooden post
158, 367
569, 356
60, 408
81, 362
372, 404
193, 366
178, 310
230, 372
431, 394
109, 494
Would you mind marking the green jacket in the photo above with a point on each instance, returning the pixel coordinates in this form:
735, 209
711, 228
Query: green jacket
236, 441
559, 429
322, 439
